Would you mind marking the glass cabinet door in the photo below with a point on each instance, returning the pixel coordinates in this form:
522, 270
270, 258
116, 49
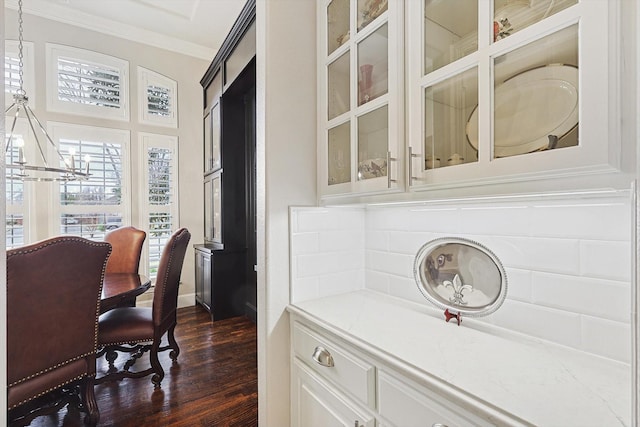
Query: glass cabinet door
207, 142
504, 88
216, 159
216, 200
361, 74
212, 150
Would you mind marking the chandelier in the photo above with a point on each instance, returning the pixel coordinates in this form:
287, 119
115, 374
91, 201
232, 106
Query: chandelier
20, 168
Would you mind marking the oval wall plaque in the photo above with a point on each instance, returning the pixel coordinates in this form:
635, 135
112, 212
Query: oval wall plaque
460, 276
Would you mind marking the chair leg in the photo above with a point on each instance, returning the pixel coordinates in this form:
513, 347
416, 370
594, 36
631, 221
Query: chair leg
89, 402
175, 350
157, 377
111, 357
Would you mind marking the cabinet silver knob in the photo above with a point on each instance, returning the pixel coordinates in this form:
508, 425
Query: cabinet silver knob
322, 357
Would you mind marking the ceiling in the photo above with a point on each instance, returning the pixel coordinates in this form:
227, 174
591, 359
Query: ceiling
192, 27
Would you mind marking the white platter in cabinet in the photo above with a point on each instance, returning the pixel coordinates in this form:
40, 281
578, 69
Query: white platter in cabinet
529, 107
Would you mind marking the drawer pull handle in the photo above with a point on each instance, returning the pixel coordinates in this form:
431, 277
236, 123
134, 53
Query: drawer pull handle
322, 357
439, 425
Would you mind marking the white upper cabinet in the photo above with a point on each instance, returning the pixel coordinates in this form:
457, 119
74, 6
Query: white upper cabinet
360, 92
511, 90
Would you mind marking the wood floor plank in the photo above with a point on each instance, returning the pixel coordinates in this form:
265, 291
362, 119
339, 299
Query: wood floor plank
214, 382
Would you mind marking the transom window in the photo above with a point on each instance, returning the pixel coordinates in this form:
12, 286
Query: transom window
157, 99
88, 83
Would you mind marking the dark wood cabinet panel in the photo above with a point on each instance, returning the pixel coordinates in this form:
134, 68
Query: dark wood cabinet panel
225, 260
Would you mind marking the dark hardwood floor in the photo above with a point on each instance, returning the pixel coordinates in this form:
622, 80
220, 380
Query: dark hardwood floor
213, 383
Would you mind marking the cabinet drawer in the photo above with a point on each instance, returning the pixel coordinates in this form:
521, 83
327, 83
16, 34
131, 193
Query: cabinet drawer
403, 403
340, 366
315, 404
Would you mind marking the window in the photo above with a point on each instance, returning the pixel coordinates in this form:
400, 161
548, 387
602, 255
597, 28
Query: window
17, 220
157, 99
160, 209
91, 208
11, 71
87, 83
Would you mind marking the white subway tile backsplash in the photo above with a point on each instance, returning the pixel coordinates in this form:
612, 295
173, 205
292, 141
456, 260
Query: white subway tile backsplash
608, 220
391, 263
349, 240
304, 243
306, 288
409, 242
607, 338
597, 297
558, 326
568, 262
433, 219
348, 281
325, 263
386, 219
322, 219
606, 260
377, 240
496, 221
549, 255
376, 281
519, 284
407, 288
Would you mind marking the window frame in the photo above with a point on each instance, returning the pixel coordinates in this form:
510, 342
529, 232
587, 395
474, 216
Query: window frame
146, 78
145, 142
28, 188
28, 73
54, 52
58, 130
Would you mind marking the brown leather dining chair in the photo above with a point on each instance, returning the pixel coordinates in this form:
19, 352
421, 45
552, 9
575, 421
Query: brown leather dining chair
53, 303
126, 243
140, 329
127, 248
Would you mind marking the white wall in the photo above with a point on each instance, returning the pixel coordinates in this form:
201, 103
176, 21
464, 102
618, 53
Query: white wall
3, 258
186, 70
568, 261
286, 175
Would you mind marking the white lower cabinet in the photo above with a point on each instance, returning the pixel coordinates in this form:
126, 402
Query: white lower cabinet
336, 383
404, 403
315, 403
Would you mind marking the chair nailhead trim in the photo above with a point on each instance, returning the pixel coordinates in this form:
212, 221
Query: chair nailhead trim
79, 377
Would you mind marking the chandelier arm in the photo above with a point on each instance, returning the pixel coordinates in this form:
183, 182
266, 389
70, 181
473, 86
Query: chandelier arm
9, 108
13, 127
65, 173
29, 114
55, 147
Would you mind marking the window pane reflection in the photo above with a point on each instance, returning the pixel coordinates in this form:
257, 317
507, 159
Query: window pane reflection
373, 143
339, 99
338, 24
450, 31
511, 16
339, 154
448, 106
373, 65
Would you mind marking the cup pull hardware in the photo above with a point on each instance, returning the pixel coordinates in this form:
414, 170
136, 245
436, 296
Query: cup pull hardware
322, 357
411, 157
389, 160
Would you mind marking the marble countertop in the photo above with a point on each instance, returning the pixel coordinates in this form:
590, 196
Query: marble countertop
538, 383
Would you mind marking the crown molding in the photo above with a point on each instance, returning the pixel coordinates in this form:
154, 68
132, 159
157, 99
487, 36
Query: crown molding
90, 22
